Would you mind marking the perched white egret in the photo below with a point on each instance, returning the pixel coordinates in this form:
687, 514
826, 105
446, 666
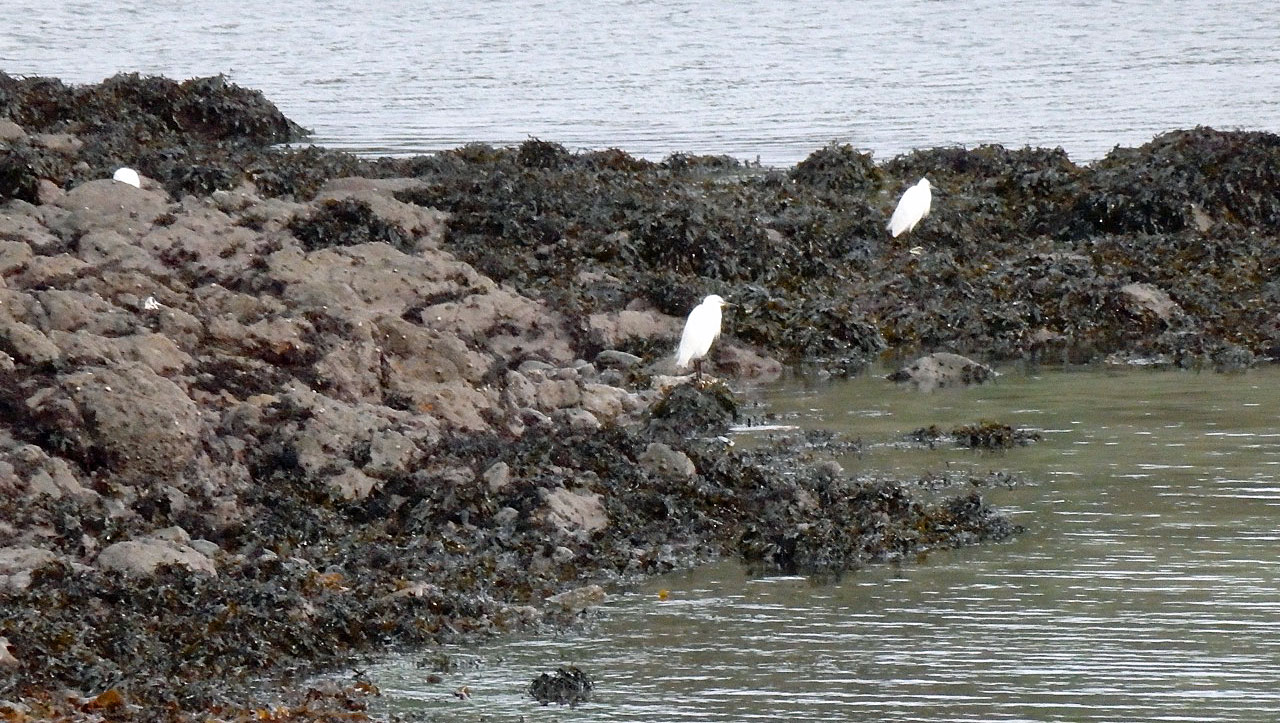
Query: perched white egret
125, 174
702, 328
913, 206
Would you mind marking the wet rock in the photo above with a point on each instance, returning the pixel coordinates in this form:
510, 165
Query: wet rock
743, 363
942, 369
993, 435
566, 686
579, 598
684, 410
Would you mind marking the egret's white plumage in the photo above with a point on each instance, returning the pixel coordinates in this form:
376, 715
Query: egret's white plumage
702, 328
913, 206
124, 174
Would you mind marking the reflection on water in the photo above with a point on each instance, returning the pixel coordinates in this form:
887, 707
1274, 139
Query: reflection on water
1146, 588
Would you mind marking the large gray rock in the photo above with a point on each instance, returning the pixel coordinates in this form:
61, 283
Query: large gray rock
16, 564
139, 424
574, 510
618, 328
663, 461
108, 204
942, 369
1150, 299
142, 557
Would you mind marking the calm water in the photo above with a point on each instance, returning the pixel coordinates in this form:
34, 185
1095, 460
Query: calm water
1146, 588
751, 78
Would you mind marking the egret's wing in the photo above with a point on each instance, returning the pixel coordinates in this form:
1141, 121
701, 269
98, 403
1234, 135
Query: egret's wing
700, 330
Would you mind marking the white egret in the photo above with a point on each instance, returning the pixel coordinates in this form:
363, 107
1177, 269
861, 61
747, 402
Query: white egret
702, 328
913, 206
124, 174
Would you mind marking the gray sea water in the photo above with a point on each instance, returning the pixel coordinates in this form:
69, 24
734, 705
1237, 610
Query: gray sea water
1146, 587
756, 79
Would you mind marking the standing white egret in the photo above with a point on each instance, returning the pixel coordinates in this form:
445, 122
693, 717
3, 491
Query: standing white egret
913, 206
124, 174
702, 328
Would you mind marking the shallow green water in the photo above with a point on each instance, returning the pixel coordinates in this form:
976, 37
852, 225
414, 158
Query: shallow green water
1147, 586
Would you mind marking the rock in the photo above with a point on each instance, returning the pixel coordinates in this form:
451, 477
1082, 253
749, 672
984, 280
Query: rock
143, 556
16, 564
744, 363
942, 369
572, 511
426, 225
45, 476
614, 359
503, 323
352, 484
1151, 299
579, 598
138, 423
104, 203
554, 394
7, 658
63, 143
391, 453
662, 460
14, 256
42, 271
579, 420
25, 343
497, 476
519, 391
10, 131
606, 402
614, 329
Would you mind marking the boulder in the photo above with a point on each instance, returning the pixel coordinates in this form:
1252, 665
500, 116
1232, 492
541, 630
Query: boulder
662, 460
574, 510
128, 418
142, 557
942, 369
16, 564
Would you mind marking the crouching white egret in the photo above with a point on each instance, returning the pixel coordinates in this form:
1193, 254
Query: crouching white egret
124, 174
702, 328
913, 206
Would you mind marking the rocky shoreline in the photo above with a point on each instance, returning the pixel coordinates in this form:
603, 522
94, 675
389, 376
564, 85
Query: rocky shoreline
280, 406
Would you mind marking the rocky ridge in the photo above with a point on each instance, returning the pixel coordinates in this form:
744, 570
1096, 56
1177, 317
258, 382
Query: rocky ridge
277, 406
